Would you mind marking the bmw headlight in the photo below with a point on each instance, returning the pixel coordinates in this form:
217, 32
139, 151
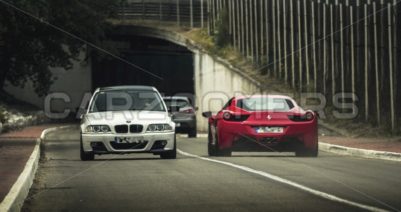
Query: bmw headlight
98, 129
159, 128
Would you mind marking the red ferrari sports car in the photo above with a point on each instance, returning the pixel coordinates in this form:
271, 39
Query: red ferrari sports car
262, 123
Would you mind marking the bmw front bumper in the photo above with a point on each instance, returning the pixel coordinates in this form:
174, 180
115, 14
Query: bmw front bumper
128, 143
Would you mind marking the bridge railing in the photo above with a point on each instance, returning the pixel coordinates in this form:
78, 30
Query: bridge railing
188, 13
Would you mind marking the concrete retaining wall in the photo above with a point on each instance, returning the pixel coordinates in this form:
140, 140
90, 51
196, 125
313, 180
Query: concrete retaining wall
215, 84
74, 83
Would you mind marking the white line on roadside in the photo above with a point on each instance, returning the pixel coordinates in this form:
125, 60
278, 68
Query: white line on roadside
287, 182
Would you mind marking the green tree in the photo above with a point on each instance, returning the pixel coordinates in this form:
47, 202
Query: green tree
28, 47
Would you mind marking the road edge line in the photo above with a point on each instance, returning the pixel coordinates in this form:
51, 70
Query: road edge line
317, 193
364, 153
15, 198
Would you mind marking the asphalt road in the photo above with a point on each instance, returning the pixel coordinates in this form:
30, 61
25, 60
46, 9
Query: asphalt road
196, 182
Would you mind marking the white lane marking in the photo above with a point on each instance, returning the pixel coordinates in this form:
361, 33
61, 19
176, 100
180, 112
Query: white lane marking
287, 182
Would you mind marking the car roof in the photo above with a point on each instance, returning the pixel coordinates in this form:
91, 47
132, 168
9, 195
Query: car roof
127, 87
264, 96
176, 98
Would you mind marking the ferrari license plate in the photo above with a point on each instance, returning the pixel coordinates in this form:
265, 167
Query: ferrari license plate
269, 129
127, 140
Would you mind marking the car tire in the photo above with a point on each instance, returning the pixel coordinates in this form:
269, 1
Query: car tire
213, 150
192, 133
85, 156
172, 154
307, 152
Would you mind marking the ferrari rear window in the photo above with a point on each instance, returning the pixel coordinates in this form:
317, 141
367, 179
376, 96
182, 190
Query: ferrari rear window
265, 103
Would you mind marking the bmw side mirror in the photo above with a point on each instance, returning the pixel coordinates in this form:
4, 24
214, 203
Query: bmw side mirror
80, 113
207, 114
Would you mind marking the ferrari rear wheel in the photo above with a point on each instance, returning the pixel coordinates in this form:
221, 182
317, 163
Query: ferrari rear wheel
213, 145
211, 148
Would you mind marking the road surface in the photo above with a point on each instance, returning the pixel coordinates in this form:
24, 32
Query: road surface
196, 182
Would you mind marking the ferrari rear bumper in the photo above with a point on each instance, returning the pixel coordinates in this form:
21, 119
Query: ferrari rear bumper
244, 137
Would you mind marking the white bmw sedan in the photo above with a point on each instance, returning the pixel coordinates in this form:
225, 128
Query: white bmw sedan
127, 119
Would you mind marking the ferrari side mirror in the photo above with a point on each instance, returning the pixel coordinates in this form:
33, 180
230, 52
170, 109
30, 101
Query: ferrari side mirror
207, 114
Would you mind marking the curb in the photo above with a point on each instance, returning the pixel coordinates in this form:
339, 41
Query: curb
15, 198
365, 153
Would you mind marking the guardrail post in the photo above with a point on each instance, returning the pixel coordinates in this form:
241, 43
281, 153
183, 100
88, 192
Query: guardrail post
292, 43
285, 41
255, 27
333, 71
191, 11
325, 68
178, 13
160, 10
209, 17
274, 35
247, 27
314, 46
366, 59
395, 55
143, 10
352, 46
242, 28
342, 71
390, 62
202, 15
277, 71
262, 31
252, 33
267, 32
376, 52
306, 42
233, 24
299, 50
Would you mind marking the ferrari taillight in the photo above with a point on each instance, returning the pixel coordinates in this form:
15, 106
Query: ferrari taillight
308, 116
234, 117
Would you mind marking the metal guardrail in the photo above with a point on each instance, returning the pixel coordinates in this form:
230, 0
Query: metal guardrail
191, 13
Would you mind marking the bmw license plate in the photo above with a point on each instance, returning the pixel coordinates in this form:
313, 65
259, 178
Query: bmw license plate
127, 140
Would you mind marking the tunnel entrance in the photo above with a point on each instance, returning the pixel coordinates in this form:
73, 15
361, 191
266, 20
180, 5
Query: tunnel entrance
171, 62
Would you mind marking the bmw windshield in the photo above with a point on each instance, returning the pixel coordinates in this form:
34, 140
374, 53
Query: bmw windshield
123, 100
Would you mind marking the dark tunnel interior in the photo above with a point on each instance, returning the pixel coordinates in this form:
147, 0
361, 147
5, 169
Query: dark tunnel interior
171, 62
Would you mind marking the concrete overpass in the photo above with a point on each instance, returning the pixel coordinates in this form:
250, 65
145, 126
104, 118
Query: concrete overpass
213, 80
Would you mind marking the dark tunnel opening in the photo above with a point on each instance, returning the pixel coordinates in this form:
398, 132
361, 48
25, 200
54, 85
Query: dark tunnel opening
171, 62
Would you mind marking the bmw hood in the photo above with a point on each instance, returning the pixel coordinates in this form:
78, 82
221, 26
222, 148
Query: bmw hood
126, 117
